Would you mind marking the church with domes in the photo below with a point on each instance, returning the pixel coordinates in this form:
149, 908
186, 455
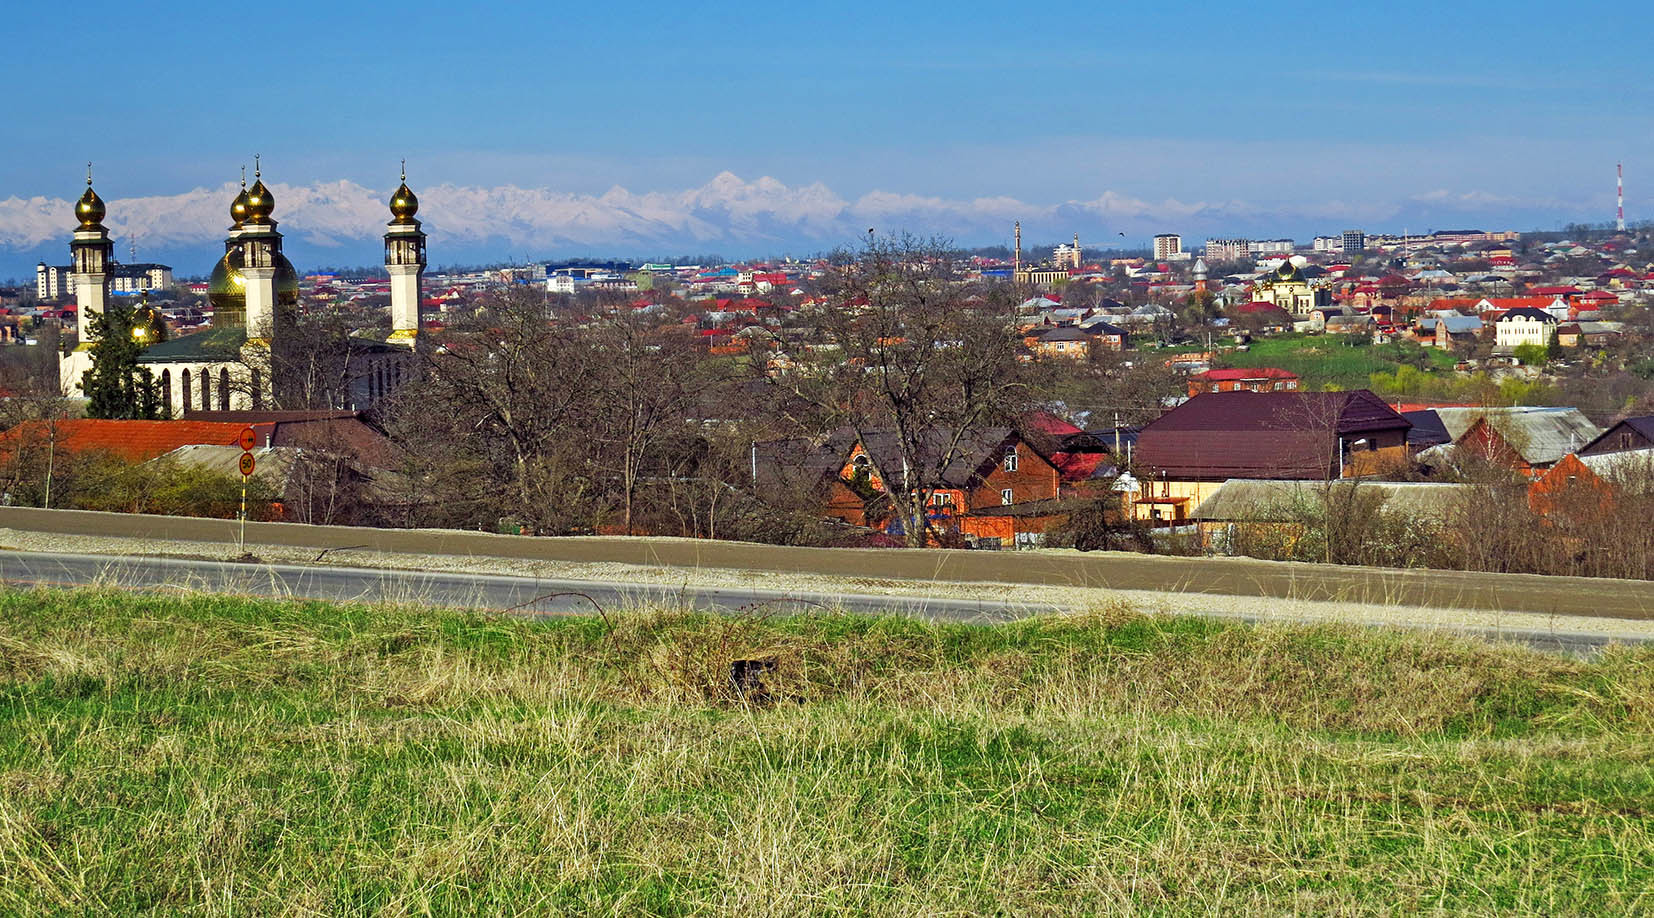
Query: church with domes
237, 364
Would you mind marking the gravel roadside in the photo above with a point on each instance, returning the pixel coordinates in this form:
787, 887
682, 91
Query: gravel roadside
1059, 596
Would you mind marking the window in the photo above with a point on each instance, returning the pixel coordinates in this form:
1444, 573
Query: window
1010, 458
941, 499
1006, 497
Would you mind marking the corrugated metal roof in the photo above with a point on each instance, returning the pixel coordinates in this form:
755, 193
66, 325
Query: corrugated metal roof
1242, 499
1541, 435
273, 465
1631, 465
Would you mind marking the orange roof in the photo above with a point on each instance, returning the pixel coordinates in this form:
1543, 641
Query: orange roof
134, 441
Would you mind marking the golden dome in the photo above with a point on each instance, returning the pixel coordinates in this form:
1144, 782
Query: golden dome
227, 288
89, 209
238, 207
260, 203
404, 204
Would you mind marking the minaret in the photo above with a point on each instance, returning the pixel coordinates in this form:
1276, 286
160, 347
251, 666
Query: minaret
90, 252
405, 261
260, 251
1200, 275
1016, 254
1078, 261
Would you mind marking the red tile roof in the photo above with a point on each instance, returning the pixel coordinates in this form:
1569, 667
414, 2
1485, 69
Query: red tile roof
1225, 375
134, 441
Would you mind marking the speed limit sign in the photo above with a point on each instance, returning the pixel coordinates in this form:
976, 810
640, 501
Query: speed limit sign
247, 464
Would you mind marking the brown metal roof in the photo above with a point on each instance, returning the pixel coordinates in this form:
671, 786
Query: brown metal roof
1223, 435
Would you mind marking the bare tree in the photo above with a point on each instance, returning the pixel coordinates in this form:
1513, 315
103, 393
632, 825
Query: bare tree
909, 349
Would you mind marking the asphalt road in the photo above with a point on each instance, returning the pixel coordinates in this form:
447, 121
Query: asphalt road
540, 596
1560, 596
527, 595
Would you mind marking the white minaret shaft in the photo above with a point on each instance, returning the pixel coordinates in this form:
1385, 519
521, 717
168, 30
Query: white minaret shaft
90, 250
261, 301
405, 263
260, 258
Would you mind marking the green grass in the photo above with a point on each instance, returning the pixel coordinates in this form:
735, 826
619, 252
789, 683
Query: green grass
1340, 360
215, 756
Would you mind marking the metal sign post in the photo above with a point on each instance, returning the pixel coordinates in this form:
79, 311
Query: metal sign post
248, 440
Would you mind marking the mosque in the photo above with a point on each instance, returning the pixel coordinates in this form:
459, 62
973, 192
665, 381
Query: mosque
254, 292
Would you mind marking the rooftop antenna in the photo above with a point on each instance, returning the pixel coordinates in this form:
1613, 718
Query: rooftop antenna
1619, 220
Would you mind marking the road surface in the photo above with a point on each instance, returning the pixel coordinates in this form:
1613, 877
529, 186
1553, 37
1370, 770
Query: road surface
541, 596
1558, 596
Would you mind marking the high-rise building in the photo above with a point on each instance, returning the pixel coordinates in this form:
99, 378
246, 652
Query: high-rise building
1264, 247
51, 282
1354, 241
1166, 245
1221, 250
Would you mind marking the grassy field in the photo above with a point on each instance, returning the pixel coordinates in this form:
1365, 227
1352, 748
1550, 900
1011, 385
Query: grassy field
1336, 359
226, 757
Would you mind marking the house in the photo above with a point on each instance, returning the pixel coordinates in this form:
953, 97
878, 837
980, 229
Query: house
1262, 315
342, 432
1626, 434
1075, 341
1523, 325
1526, 439
1249, 379
131, 441
1274, 502
1450, 332
1348, 324
1187, 453
992, 468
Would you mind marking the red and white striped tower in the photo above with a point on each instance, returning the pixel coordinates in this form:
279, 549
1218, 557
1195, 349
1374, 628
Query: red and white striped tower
1619, 217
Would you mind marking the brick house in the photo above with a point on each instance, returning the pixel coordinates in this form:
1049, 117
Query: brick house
994, 470
1248, 379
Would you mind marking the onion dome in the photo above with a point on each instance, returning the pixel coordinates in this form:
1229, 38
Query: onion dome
260, 202
404, 204
238, 207
89, 209
227, 288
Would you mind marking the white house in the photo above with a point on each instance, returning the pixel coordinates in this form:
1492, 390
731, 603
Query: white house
1523, 325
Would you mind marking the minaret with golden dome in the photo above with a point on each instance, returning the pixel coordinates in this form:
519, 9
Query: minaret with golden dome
405, 261
90, 252
261, 259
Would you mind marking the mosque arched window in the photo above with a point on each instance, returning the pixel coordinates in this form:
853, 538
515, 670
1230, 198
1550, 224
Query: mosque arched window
224, 389
166, 392
185, 389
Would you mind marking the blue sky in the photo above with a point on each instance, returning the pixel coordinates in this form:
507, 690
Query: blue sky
1259, 119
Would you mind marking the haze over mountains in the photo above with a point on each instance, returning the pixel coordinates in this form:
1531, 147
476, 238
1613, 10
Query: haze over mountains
338, 222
